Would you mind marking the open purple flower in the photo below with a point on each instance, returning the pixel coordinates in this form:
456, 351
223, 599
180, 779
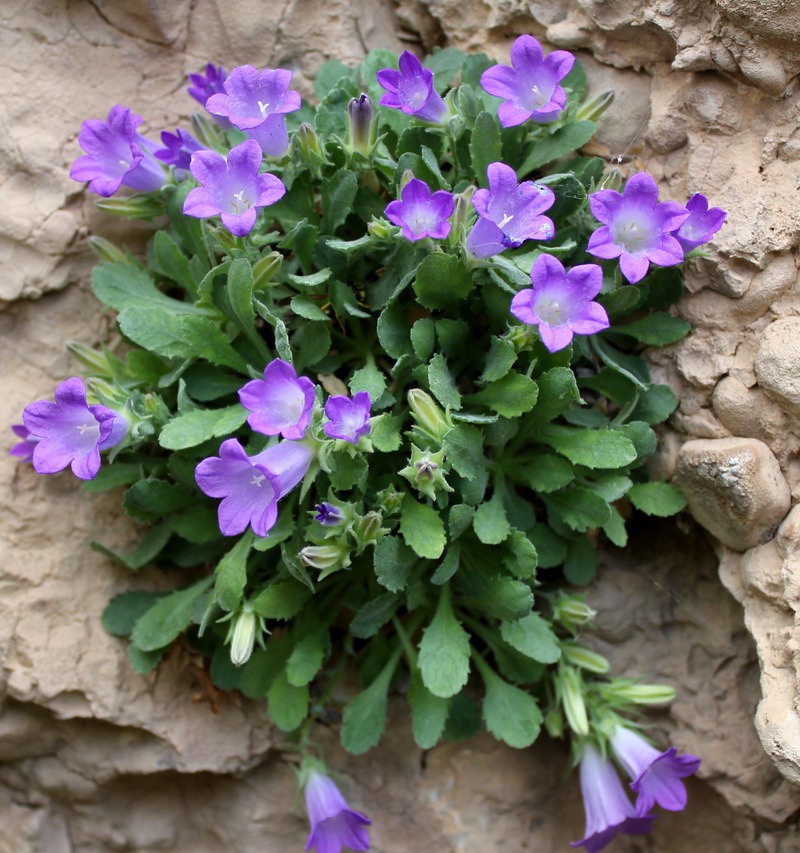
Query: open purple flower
702, 224
656, 775
251, 486
348, 419
210, 82
560, 302
529, 86
334, 824
178, 149
509, 213
232, 188
116, 155
608, 811
636, 227
23, 450
71, 432
411, 90
280, 403
420, 213
257, 102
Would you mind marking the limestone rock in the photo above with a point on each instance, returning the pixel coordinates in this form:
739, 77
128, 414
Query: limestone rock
777, 363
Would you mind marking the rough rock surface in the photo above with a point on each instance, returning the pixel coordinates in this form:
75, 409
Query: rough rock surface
97, 759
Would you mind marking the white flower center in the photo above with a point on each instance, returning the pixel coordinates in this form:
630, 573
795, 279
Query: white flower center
240, 204
632, 235
551, 311
263, 108
257, 480
507, 217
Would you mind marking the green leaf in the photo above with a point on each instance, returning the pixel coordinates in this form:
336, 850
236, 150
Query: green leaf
510, 714
374, 614
258, 674
459, 519
144, 663
544, 473
533, 637
113, 476
168, 617
385, 434
657, 329
197, 525
394, 331
614, 528
506, 598
199, 425
428, 713
305, 307
328, 74
499, 360
563, 141
392, 562
558, 393
661, 499
445, 64
240, 301
550, 547
231, 573
422, 528
287, 704
125, 609
444, 651
523, 557
169, 261
281, 600
126, 285
511, 396
464, 719
307, 658
448, 567
149, 547
365, 716
150, 498
580, 564
490, 522
338, 195
580, 508
655, 405
423, 338
484, 146
370, 379
442, 384
442, 280
347, 470
463, 446
602, 448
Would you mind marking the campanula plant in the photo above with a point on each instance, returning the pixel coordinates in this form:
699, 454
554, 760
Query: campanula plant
382, 392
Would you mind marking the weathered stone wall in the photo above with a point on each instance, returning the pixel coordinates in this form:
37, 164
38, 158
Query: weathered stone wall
97, 759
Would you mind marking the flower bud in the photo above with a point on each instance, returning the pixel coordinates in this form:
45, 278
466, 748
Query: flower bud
554, 723
430, 418
381, 229
390, 500
97, 362
107, 251
133, 207
584, 658
367, 529
425, 473
627, 690
360, 129
207, 132
307, 146
327, 558
242, 635
572, 611
572, 700
265, 269
594, 108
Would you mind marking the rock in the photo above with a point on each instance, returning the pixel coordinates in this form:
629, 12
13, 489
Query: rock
734, 488
777, 363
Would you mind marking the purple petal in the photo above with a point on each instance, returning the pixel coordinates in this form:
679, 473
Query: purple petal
499, 80
604, 205
633, 268
239, 224
485, 239
601, 244
526, 51
282, 403
348, 419
555, 338
559, 63
389, 79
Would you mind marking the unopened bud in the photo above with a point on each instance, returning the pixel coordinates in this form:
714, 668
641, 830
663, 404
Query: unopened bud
595, 107
429, 417
242, 635
425, 472
627, 690
390, 500
360, 129
572, 700
133, 207
577, 655
207, 132
96, 361
327, 558
306, 145
554, 724
107, 251
381, 229
572, 610
265, 270
367, 529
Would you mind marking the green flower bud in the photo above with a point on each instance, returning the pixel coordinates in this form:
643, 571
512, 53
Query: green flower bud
628, 690
107, 251
572, 611
571, 689
133, 207
265, 270
584, 658
360, 126
430, 418
425, 472
242, 635
97, 362
593, 109
307, 147
367, 529
327, 558
390, 500
554, 723
381, 229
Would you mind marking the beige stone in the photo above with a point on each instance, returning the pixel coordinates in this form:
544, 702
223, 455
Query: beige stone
777, 363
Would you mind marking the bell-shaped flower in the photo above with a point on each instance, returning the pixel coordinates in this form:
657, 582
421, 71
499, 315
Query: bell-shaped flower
509, 213
701, 225
232, 188
420, 213
281, 403
116, 155
529, 86
328, 515
656, 776
71, 432
178, 149
411, 90
334, 825
348, 419
637, 228
609, 812
210, 82
23, 450
560, 302
251, 486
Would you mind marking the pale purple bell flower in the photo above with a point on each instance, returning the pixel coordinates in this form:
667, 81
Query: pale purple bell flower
334, 825
348, 419
281, 403
560, 302
210, 82
702, 224
117, 155
411, 90
420, 213
232, 188
529, 86
178, 149
637, 228
23, 450
71, 432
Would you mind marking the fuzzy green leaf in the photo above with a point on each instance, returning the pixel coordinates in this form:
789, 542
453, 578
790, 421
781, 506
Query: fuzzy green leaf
444, 651
422, 528
168, 617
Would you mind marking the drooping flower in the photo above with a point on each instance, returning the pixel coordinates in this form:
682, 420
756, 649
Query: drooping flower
411, 90
421, 213
71, 432
656, 776
210, 82
232, 188
636, 227
257, 102
116, 155
701, 225
334, 824
327, 514
23, 450
251, 486
178, 149
608, 811
348, 419
509, 213
281, 403
560, 302
529, 86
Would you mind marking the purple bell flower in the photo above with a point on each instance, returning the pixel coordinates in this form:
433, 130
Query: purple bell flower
178, 149
232, 188
334, 824
529, 86
281, 403
420, 213
251, 486
348, 419
116, 155
509, 213
560, 302
656, 775
327, 514
608, 811
210, 82
23, 450
636, 227
702, 224
411, 90
71, 432
257, 102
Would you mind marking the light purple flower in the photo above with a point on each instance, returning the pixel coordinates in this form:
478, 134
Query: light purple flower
529, 86
636, 227
178, 148
348, 419
251, 486
232, 188
334, 824
702, 224
116, 155
327, 514
608, 811
257, 102
280, 403
209, 83
71, 432
509, 213
24, 449
656, 775
411, 90
560, 302
420, 213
